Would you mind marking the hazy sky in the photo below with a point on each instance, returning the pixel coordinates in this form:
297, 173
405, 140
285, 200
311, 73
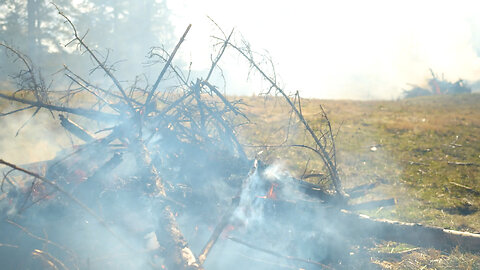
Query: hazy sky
340, 49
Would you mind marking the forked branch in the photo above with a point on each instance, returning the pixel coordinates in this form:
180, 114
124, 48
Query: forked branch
167, 65
322, 150
95, 58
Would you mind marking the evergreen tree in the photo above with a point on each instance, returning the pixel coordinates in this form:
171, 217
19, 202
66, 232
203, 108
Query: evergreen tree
127, 27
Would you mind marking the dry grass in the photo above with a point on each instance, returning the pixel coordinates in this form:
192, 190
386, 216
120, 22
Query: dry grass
414, 139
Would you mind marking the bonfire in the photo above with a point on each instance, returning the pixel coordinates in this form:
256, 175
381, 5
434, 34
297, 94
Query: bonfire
159, 180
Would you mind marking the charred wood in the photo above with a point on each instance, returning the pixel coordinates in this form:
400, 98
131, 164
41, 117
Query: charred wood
177, 254
225, 220
410, 233
75, 129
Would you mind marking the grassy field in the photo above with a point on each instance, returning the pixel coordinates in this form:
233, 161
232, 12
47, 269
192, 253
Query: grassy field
424, 152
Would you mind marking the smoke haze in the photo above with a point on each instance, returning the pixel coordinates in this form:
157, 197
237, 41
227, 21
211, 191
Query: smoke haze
341, 49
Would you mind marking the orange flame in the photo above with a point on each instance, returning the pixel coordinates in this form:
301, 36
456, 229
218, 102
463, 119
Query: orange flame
271, 192
226, 231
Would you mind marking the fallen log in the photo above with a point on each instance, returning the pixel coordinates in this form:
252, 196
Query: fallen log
176, 252
410, 233
217, 231
357, 226
226, 218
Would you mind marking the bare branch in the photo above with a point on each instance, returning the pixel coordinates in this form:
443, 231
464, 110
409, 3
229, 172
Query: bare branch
17, 110
222, 50
45, 240
329, 163
94, 56
92, 114
290, 258
167, 65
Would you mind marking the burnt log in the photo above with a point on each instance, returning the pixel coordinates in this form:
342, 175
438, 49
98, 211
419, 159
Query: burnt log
76, 129
226, 218
410, 233
176, 252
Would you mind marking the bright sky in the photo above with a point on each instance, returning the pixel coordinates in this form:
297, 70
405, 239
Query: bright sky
340, 49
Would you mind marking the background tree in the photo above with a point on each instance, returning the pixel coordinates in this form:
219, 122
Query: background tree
123, 30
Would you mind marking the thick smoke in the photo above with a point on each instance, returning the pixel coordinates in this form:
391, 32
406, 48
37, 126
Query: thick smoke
272, 214
34, 138
345, 49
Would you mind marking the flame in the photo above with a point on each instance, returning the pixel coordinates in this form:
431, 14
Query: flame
226, 231
229, 228
271, 192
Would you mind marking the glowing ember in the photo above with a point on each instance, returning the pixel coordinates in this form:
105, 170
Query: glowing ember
271, 193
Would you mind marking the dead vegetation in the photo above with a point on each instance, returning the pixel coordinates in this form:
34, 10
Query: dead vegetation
438, 86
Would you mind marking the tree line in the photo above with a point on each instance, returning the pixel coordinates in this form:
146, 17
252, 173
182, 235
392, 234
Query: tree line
122, 29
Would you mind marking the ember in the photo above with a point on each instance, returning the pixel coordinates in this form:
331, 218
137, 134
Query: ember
271, 193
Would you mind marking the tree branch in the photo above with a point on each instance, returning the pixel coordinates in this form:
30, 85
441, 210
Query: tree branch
167, 64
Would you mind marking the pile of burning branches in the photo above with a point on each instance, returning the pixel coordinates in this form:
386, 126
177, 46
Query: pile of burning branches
438, 87
165, 183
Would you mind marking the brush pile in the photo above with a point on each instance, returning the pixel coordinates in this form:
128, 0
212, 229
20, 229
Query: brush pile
438, 86
159, 179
